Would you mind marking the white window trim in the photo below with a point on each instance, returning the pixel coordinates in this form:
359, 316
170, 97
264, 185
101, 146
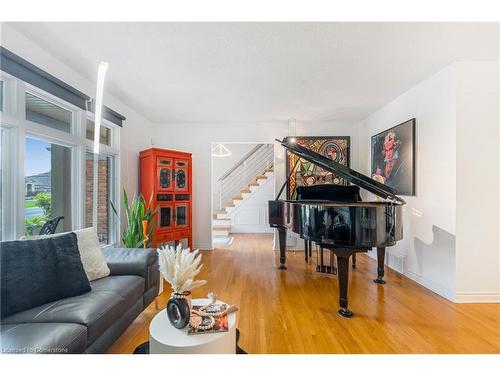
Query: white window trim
114, 152
74, 110
114, 148
9, 211
114, 226
2, 103
13, 120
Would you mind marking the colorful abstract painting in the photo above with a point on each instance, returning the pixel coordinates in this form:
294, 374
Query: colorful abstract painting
307, 173
393, 158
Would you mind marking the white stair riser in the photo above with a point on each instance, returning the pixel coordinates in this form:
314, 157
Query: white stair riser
221, 222
229, 209
237, 202
245, 195
222, 233
268, 174
222, 216
253, 188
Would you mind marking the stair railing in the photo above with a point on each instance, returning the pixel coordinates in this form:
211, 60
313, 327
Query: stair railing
245, 171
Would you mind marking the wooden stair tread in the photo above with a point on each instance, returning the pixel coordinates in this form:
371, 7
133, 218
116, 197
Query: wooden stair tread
221, 227
245, 191
220, 212
262, 177
230, 205
254, 183
268, 170
237, 198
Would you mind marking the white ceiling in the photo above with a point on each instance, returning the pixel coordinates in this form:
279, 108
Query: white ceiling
204, 72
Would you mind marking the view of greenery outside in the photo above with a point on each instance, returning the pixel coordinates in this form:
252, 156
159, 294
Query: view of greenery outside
33, 224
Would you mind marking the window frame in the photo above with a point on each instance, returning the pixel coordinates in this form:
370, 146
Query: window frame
113, 129
114, 196
112, 151
36, 92
18, 128
2, 104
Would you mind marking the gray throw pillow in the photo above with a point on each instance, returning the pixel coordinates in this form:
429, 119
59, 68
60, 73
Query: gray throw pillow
36, 272
94, 264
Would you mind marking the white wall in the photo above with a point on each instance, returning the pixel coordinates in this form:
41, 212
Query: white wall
450, 240
432, 103
198, 137
478, 253
136, 132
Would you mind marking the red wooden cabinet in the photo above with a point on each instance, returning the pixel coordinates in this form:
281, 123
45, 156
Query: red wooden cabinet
166, 177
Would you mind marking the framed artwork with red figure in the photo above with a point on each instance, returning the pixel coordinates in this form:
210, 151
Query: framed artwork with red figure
393, 157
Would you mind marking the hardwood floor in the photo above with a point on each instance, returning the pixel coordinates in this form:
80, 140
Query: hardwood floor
295, 311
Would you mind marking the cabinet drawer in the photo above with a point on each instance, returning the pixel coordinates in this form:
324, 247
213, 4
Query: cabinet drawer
164, 237
183, 233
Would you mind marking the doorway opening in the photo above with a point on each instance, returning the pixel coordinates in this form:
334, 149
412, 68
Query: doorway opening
242, 184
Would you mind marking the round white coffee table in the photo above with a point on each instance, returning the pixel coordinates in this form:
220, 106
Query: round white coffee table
165, 339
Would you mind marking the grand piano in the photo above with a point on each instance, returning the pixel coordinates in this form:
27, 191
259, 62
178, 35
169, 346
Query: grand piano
335, 217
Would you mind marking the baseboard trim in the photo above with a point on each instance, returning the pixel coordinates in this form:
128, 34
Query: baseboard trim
426, 283
478, 297
436, 288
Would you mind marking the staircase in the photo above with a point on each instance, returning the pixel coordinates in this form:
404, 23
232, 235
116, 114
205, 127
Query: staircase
238, 184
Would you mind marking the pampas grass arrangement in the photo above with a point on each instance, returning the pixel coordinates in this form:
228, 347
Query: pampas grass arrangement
179, 267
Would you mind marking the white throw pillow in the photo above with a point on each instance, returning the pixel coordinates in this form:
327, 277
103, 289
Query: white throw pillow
90, 252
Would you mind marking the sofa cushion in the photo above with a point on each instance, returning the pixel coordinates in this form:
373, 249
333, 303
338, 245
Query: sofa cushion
90, 252
124, 261
36, 272
96, 310
128, 286
33, 338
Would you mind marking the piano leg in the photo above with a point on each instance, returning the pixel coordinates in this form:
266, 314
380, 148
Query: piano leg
310, 249
306, 250
380, 265
354, 260
321, 267
343, 277
282, 241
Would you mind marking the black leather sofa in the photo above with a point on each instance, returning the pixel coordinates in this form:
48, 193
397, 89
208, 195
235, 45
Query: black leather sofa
91, 322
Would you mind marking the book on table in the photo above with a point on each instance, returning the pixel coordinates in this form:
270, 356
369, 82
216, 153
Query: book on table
221, 322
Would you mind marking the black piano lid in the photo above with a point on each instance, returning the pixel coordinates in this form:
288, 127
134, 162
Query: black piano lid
349, 174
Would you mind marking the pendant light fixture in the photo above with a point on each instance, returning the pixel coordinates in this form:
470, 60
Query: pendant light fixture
220, 151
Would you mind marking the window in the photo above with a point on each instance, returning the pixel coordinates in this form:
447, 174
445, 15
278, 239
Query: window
47, 185
104, 133
43, 170
46, 113
105, 195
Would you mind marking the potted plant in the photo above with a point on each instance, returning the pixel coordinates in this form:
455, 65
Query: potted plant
140, 221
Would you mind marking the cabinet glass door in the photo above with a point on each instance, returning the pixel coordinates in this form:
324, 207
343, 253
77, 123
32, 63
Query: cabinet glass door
181, 176
165, 174
166, 217
181, 215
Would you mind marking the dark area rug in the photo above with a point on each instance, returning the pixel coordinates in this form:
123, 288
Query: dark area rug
144, 347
